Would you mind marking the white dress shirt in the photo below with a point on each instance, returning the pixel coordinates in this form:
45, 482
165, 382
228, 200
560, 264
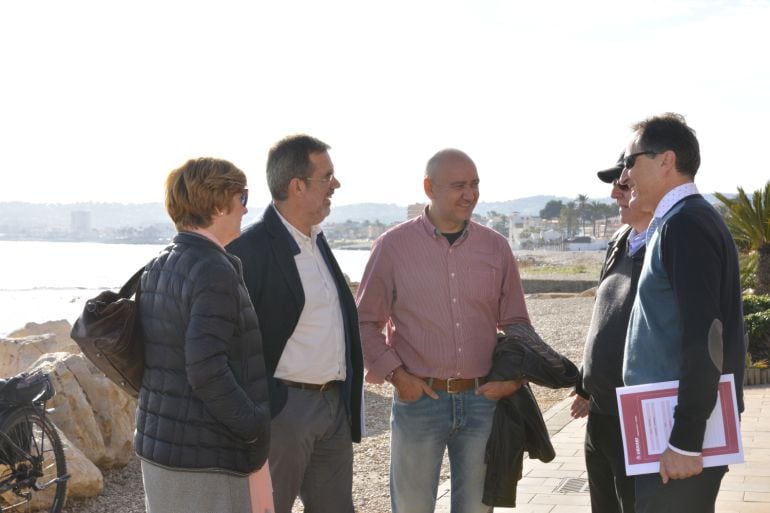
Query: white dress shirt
315, 351
665, 204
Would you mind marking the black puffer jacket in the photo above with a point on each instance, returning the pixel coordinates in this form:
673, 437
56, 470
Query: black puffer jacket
203, 402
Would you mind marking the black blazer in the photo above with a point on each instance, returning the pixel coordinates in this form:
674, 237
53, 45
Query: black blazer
267, 250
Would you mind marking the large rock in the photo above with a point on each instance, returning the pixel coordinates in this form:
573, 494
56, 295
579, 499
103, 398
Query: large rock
24, 346
94, 413
17, 354
60, 329
86, 480
94, 417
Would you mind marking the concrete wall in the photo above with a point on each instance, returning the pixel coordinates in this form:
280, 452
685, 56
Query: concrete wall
537, 286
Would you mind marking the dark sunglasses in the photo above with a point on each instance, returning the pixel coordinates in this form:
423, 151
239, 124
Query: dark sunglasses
629, 160
244, 197
621, 186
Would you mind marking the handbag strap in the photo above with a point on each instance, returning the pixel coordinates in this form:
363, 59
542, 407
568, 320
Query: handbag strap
132, 285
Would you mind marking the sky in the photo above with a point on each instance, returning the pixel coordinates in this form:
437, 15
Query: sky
99, 100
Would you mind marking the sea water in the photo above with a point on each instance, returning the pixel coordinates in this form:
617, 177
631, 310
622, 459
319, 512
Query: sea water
46, 281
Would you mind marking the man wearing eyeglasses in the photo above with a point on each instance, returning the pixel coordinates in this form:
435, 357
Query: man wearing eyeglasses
612, 491
309, 327
434, 293
687, 321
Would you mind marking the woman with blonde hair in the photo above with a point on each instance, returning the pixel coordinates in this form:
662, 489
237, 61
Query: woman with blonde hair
202, 419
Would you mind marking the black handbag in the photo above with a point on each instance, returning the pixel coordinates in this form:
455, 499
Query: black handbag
107, 334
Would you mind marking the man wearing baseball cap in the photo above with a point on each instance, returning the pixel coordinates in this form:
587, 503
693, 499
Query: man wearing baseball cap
611, 490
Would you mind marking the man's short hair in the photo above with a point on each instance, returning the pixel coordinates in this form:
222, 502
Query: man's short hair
440, 157
290, 158
669, 131
199, 188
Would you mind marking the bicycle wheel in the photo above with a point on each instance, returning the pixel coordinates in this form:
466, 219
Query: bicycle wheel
33, 472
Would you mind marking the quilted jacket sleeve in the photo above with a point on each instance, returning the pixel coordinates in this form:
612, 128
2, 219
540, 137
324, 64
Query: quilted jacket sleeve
213, 324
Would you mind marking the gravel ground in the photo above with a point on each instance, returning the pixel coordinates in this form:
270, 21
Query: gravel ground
561, 322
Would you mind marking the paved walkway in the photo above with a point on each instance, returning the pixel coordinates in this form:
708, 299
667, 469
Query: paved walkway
560, 486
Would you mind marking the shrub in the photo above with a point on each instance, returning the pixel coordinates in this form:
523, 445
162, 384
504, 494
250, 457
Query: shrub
748, 264
756, 311
758, 329
751, 364
755, 303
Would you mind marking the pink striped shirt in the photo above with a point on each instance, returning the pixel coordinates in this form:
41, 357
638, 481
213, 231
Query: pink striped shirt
436, 308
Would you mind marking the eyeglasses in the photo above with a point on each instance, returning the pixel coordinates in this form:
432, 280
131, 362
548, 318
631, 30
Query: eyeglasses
326, 180
621, 186
629, 160
244, 197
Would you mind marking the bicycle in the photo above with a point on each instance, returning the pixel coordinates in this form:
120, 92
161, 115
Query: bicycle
33, 470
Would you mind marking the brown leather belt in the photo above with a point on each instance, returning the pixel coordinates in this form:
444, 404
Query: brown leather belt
455, 385
310, 386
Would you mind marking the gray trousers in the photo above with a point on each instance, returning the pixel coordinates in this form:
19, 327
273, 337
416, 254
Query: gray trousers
180, 491
311, 453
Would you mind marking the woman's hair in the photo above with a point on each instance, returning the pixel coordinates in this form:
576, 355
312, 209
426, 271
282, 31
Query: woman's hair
200, 188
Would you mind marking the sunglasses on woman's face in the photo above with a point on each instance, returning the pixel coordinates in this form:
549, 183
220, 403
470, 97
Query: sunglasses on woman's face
244, 197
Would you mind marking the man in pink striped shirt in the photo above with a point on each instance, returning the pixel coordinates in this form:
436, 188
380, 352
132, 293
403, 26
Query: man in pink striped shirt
435, 292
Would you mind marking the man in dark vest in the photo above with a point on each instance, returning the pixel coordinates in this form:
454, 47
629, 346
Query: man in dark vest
687, 319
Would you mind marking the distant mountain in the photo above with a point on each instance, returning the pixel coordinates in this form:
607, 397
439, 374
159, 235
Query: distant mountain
103, 215
18, 215
534, 204
385, 213
389, 212
529, 206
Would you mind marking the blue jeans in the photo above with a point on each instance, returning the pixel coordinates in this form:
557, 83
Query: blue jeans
420, 431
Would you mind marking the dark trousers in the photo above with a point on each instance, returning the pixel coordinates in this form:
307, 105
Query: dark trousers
695, 494
311, 453
611, 490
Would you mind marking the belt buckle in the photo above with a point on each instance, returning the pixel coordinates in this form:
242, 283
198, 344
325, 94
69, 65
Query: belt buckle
449, 382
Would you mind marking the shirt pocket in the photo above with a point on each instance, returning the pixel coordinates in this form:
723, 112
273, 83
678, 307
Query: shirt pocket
482, 281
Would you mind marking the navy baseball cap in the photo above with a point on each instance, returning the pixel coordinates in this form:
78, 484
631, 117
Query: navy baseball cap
613, 173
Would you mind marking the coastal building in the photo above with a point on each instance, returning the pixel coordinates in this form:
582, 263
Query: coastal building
414, 210
517, 223
80, 223
375, 230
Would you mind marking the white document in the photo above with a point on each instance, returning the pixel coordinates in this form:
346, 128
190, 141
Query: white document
647, 418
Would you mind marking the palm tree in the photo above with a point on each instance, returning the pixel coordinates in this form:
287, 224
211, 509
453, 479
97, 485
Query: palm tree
608, 211
568, 215
596, 209
749, 222
582, 201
